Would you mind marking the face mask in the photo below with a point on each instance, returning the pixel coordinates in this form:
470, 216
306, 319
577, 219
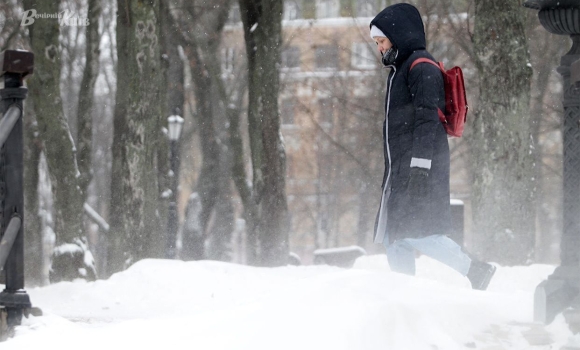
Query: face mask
390, 56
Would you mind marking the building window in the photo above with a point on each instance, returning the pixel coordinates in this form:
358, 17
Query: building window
363, 56
327, 56
291, 10
228, 59
327, 8
325, 111
287, 111
366, 8
291, 57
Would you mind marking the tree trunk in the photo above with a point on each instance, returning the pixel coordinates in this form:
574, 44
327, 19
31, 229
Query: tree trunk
207, 186
192, 236
223, 227
239, 177
60, 149
501, 144
220, 231
134, 192
117, 253
86, 97
202, 52
262, 22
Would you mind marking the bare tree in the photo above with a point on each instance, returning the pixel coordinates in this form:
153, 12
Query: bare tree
268, 224
68, 257
502, 147
201, 42
86, 96
134, 191
10, 29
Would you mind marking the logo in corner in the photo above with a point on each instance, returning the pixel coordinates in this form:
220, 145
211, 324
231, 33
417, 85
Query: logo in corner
65, 18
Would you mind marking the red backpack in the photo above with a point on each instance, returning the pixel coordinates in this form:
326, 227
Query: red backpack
455, 99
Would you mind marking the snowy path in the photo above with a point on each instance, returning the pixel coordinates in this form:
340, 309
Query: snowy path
163, 304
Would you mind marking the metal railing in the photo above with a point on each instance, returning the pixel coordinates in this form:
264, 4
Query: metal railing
7, 123
14, 301
8, 239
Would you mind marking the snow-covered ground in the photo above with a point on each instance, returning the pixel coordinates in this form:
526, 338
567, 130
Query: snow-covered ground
207, 305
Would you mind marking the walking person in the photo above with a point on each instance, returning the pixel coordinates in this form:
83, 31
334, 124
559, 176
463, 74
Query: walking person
414, 212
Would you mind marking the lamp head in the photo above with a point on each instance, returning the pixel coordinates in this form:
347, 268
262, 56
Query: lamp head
175, 124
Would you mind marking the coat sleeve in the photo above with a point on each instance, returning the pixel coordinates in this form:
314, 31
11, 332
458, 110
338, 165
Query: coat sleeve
427, 95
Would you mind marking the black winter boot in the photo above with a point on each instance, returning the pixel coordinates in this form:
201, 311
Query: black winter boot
480, 273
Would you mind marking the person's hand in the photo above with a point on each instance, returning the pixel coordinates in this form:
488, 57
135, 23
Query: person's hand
418, 183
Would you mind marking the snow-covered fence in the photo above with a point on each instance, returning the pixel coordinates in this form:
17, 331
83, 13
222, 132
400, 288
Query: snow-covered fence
14, 301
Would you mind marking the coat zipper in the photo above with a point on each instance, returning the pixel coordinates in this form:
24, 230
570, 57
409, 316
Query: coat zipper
382, 221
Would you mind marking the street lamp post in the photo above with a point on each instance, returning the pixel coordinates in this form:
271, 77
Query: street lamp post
560, 291
175, 122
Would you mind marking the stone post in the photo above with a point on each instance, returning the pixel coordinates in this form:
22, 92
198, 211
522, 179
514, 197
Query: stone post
561, 289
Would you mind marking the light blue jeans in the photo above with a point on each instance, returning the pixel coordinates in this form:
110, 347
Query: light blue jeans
401, 253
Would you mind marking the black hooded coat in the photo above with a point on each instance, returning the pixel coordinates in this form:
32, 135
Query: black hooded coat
412, 133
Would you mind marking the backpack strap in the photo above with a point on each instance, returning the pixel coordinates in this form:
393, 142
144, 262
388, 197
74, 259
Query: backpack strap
438, 65
426, 60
